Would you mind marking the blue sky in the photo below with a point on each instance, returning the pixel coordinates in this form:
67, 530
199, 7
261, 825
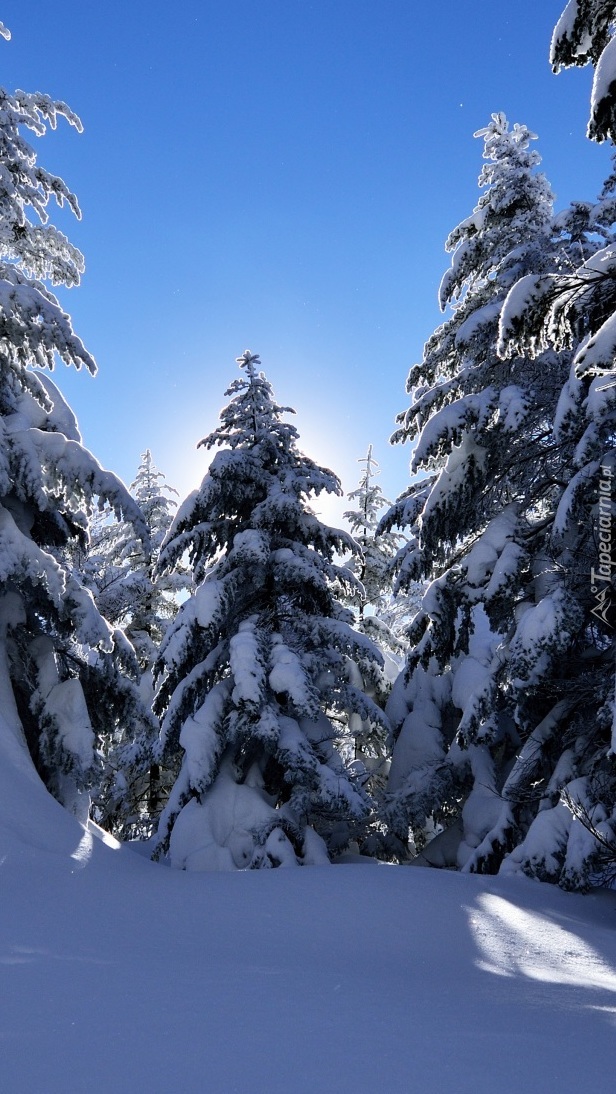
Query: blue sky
279, 175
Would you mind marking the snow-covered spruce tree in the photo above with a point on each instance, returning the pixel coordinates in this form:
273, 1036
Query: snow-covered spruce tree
121, 573
479, 712
575, 309
569, 843
60, 683
258, 657
380, 615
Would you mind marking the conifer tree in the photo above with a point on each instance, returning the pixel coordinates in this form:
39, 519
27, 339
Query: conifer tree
121, 573
572, 309
258, 656
380, 615
374, 566
61, 686
488, 731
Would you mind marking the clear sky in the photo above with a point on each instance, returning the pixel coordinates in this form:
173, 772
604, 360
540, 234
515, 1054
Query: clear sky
278, 175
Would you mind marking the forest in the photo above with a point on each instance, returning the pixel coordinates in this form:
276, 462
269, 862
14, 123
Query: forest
233, 683
198, 693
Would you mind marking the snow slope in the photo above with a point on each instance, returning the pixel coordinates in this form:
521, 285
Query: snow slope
121, 975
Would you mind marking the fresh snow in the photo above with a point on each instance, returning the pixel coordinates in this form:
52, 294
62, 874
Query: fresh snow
122, 974
597, 354
604, 77
564, 29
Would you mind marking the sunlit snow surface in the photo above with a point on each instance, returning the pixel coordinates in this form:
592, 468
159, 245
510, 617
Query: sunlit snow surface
120, 975
516, 941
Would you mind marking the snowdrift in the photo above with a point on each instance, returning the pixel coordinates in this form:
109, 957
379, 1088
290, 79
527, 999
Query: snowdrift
119, 974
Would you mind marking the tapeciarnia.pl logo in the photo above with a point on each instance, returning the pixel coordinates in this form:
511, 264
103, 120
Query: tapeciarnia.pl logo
601, 577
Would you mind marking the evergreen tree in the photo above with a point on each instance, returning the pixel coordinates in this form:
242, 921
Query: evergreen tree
374, 603
488, 728
381, 616
574, 309
121, 573
61, 686
258, 656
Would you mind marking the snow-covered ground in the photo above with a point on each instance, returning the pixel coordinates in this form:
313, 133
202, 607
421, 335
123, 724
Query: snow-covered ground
121, 975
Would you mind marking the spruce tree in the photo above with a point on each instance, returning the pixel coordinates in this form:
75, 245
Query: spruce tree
257, 659
61, 682
377, 611
574, 309
487, 725
381, 616
120, 571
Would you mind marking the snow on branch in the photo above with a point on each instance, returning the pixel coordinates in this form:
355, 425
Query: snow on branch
75, 469
597, 355
602, 124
